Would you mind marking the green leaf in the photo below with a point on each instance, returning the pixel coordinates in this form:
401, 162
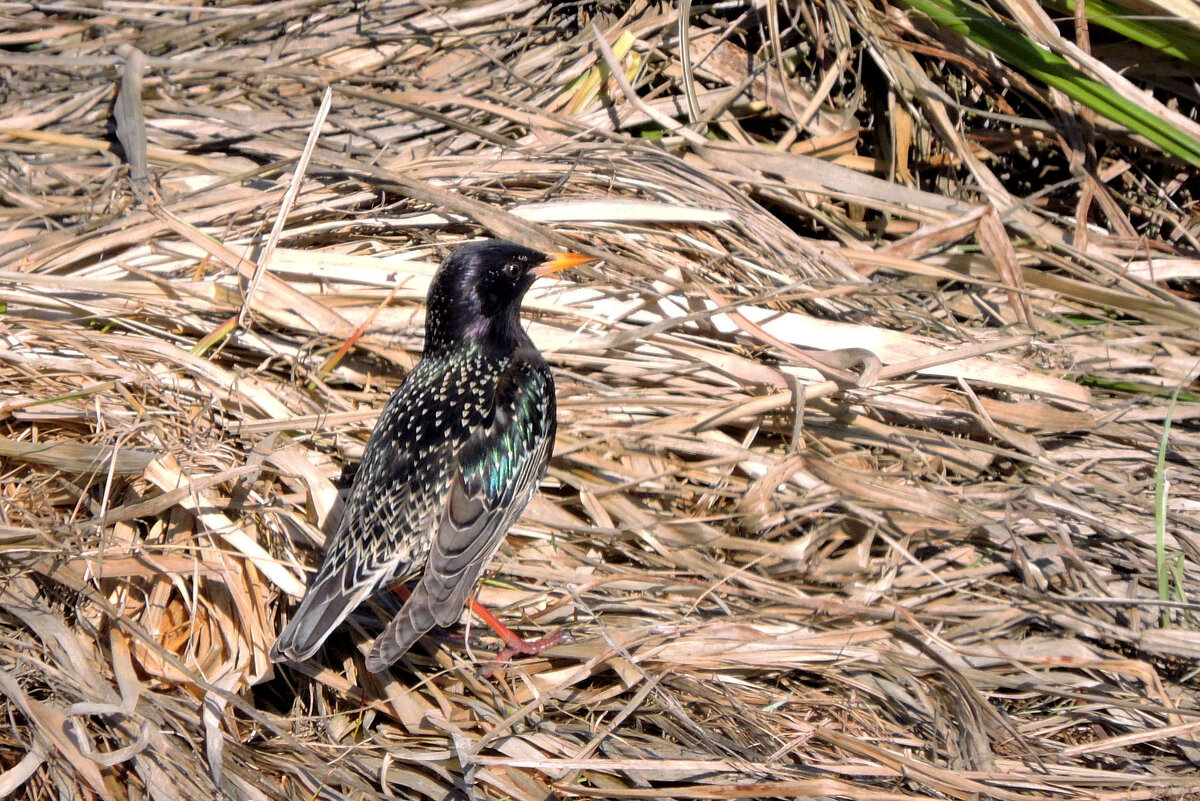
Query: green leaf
1020, 52
1161, 35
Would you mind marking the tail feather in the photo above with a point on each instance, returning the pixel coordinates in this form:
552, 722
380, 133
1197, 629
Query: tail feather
409, 625
325, 606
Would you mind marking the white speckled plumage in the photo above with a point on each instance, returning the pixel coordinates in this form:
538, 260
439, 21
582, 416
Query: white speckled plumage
457, 453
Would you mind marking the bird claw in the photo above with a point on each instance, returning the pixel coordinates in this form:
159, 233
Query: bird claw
515, 646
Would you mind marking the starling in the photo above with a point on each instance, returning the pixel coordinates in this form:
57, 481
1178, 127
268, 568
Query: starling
457, 453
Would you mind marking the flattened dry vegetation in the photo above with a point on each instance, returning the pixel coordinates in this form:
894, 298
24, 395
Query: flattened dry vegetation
877, 466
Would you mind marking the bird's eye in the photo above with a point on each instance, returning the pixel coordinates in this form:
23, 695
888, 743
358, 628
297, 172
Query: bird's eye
512, 269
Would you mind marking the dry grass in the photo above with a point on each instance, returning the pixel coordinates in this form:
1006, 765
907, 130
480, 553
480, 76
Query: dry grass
922, 565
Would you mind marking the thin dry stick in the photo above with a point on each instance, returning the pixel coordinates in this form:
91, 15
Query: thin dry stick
285, 206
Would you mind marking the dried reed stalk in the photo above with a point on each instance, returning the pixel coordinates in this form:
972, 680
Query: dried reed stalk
925, 565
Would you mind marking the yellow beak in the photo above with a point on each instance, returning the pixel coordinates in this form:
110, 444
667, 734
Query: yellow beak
560, 261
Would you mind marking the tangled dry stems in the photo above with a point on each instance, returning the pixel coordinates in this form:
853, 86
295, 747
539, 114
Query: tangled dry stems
926, 570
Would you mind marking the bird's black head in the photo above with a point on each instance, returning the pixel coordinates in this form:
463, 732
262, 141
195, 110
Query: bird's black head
477, 292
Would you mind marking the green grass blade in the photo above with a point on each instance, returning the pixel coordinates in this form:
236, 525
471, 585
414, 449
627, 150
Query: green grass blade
1160, 511
1160, 35
1053, 70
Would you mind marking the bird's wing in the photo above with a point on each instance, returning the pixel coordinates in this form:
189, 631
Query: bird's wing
395, 504
497, 471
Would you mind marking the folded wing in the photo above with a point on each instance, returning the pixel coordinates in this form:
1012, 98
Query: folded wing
395, 503
494, 475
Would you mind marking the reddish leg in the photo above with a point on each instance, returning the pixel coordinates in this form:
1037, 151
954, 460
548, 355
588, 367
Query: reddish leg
513, 644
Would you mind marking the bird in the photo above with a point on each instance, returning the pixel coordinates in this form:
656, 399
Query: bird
456, 454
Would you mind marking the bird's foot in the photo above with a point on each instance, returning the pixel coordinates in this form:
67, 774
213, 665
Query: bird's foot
519, 647
513, 644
